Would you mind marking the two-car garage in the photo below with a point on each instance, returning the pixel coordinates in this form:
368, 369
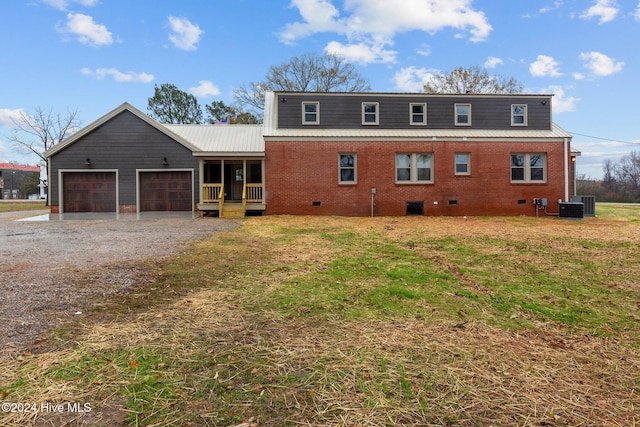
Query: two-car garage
97, 191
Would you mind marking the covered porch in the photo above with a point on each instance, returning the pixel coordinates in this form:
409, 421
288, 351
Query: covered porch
232, 187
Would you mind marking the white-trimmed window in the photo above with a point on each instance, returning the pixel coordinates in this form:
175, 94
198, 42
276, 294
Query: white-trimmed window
418, 114
347, 164
518, 115
528, 167
370, 113
414, 168
463, 114
463, 164
310, 113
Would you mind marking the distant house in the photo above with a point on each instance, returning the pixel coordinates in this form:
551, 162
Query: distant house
353, 154
12, 178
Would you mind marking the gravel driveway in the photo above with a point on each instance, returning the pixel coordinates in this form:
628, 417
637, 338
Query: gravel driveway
51, 270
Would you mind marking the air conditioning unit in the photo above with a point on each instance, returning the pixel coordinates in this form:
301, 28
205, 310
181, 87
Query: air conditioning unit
572, 210
589, 204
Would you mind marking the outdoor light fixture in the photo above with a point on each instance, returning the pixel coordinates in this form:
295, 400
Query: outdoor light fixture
165, 162
283, 100
87, 161
544, 102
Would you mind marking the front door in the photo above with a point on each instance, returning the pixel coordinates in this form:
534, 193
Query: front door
233, 180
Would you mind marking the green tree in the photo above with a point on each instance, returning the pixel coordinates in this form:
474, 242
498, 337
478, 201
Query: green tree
171, 105
474, 79
305, 73
219, 111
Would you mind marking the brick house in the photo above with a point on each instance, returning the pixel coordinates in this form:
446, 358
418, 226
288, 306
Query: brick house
325, 154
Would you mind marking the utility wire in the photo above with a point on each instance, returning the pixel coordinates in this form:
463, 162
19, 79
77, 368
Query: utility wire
604, 139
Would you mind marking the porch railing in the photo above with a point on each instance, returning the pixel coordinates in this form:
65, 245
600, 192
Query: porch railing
253, 193
214, 193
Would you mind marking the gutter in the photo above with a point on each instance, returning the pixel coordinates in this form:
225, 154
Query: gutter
566, 169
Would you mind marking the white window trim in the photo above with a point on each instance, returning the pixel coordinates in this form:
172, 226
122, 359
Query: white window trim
377, 105
424, 114
527, 169
526, 120
455, 112
413, 171
355, 169
304, 115
455, 163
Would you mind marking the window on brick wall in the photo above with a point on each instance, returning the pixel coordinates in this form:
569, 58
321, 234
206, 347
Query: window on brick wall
347, 168
463, 164
528, 167
414, 168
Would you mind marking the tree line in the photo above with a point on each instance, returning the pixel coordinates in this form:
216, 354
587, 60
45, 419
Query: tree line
620, 181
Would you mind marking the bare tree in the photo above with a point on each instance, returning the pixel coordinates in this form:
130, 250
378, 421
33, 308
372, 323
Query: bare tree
305, 73
472, 80
40, 131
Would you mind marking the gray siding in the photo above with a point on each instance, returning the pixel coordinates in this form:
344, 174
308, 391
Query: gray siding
125, 143
343, 111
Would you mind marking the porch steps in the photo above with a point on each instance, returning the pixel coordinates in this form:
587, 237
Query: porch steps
232, 210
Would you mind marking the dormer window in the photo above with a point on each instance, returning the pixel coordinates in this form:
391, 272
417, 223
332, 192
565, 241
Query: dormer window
463, 114
310, 113
418, 114
519, 115
370, 113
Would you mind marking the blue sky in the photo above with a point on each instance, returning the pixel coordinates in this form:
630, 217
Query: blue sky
93, 55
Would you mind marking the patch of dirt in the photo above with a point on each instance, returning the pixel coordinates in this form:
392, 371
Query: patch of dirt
54, 270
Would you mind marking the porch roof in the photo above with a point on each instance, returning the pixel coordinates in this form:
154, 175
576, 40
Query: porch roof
222, 140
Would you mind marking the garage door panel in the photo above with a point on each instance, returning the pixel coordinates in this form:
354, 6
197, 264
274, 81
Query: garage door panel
89, 191
166, 191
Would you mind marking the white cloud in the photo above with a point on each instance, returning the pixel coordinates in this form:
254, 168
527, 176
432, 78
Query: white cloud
561, 102
636, 14
86, 30
605, 10
118, 76
544, 66
600, 64
362, 53
424, 50
375, 23
413, 79
64, 4
493, 62
7, 117
184, 34
204, 89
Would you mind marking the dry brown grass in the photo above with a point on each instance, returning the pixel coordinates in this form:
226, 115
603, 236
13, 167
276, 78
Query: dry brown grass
227, 360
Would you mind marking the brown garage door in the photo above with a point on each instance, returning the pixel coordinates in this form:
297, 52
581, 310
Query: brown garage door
166, 191
89, 191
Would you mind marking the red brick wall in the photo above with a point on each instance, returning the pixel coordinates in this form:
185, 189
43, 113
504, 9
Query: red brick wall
300, 173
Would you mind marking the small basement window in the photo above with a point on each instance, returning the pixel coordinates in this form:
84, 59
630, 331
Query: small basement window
415, 208
316, 204
453, 202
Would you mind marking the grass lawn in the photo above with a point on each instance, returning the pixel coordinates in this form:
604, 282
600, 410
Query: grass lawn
9, 206
320, 321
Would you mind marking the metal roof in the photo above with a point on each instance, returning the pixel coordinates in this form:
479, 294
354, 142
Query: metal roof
555, 132
222, 139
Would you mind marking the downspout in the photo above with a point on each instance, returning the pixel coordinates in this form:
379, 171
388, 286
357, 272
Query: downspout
566, 169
